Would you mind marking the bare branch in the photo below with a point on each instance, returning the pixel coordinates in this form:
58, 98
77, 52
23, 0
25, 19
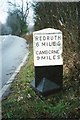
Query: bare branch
13, 4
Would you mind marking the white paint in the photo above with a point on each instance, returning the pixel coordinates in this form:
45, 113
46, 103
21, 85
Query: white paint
8, 84
47, 45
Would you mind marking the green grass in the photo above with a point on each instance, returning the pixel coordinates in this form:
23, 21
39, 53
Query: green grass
23, 103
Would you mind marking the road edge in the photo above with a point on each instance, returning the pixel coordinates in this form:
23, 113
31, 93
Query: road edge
12, 78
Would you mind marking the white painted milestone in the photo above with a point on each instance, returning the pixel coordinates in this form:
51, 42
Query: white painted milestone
47, 45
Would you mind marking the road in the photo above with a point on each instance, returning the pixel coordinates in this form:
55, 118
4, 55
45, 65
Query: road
12, 51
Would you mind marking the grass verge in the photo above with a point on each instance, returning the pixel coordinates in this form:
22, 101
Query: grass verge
23, 103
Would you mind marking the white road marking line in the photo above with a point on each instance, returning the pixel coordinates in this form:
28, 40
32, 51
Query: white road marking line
4, 89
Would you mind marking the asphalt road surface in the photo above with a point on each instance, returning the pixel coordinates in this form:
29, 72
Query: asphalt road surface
12, 51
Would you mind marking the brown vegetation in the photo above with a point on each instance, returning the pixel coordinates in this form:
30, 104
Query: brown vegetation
28, 37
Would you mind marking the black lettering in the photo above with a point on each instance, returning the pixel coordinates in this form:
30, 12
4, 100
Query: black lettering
58, 57
38, 57
42, 57
54, 57
42, 52
47, 37
37, 44
52, 37
40, 38
55, 37
50, 58
37, 53
44, 38
53, 43
43, 44
59, 37
36, 37
58, 43
50, 51
56, 51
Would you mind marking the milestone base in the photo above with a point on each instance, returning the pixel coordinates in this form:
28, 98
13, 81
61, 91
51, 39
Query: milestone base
45, 87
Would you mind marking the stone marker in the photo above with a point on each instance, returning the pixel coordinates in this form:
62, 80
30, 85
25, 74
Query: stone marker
48, 62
